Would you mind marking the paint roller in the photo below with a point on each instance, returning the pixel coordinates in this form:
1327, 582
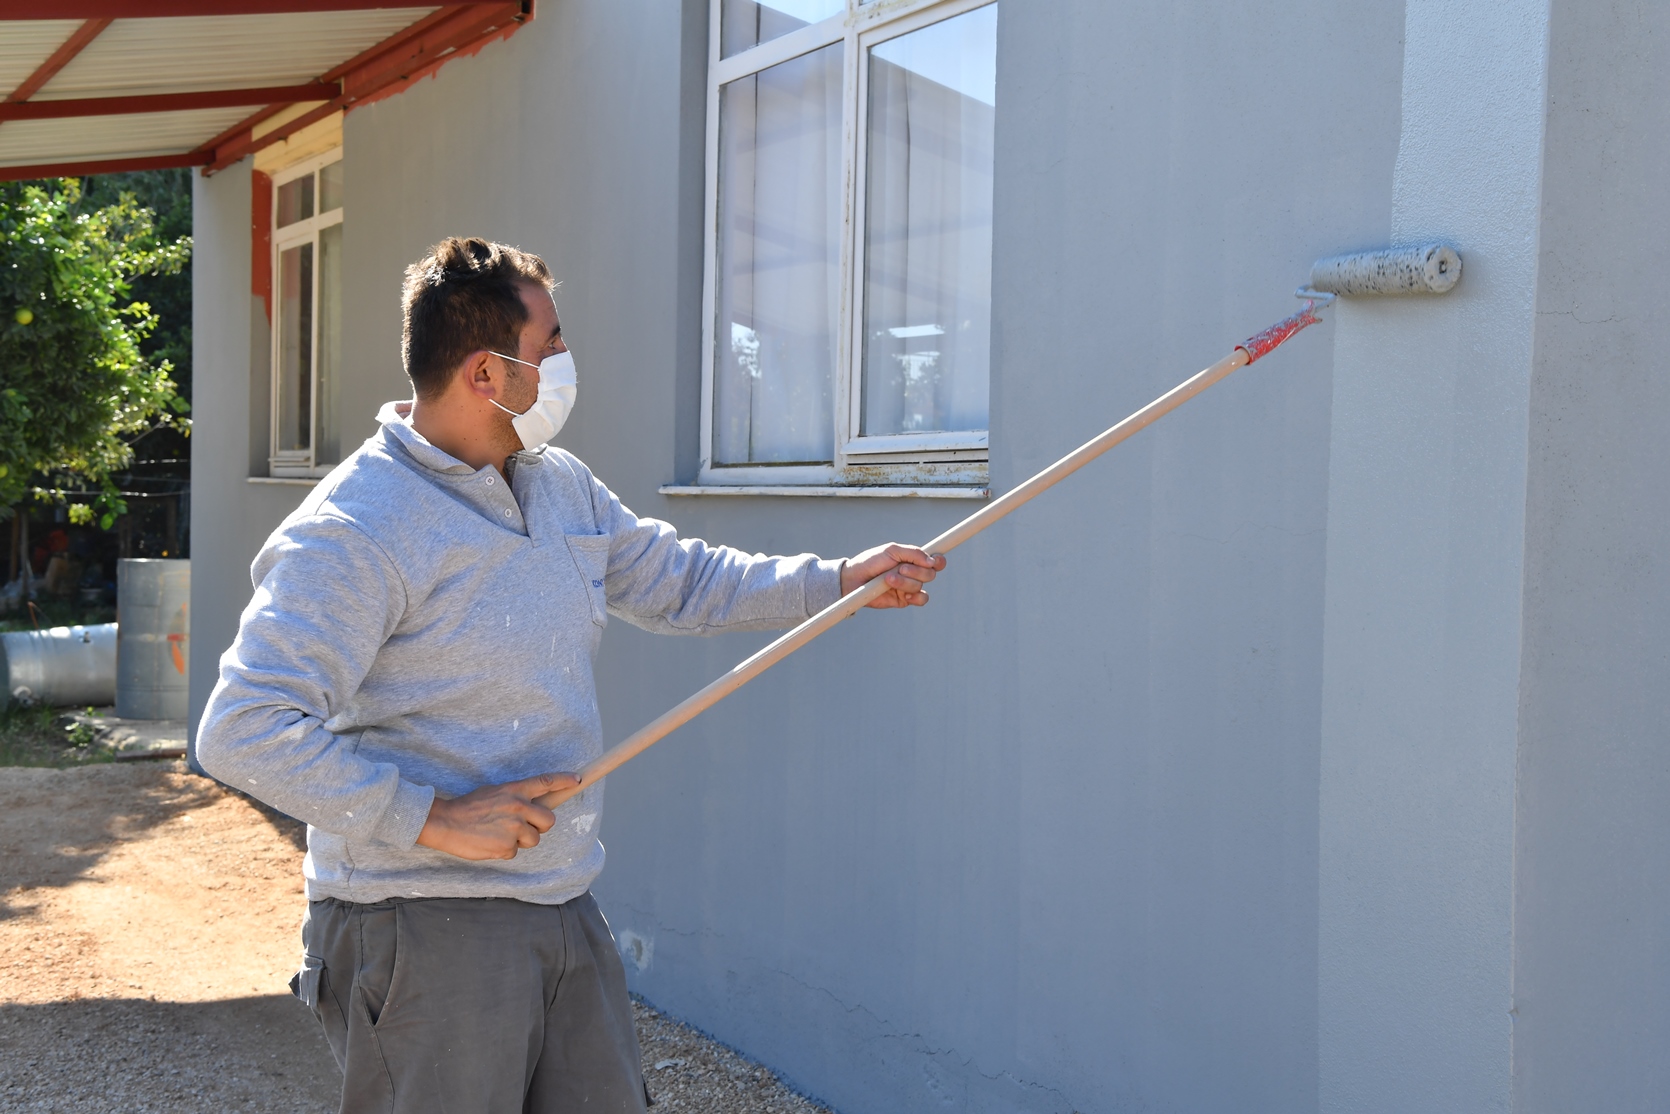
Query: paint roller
1427, 269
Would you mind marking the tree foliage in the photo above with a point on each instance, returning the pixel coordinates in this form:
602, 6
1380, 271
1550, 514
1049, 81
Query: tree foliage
76, 387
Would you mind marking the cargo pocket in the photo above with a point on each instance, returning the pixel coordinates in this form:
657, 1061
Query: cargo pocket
304, 984
591, 561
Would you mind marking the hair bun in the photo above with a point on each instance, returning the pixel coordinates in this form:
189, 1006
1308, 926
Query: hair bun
457, 258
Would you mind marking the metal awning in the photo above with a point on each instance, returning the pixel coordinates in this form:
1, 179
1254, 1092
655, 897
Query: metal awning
108, 85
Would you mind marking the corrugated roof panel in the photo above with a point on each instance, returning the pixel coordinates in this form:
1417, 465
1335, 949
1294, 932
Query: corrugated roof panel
191, 53
25, 44
26, 142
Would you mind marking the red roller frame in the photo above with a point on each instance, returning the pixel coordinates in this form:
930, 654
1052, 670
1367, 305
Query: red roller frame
1267, 341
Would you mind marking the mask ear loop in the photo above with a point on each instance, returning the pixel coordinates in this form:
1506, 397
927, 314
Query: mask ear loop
514, 360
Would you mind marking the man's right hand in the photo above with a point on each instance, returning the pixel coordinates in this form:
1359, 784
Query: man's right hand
495, 821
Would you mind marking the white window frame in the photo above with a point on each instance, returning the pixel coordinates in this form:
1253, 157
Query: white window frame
954, 460
297, 463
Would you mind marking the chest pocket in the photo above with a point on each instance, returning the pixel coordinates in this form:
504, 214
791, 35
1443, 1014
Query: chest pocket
591, 560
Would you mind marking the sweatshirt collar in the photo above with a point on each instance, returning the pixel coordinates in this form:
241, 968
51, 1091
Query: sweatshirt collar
395, 418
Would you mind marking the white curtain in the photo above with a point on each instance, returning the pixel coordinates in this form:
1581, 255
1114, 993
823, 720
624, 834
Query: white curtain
928, 234
295, 348
779, 263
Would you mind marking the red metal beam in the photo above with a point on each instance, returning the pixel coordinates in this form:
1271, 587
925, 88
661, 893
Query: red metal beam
412, 74
167, 102
58, 59
457, 29
247, 124
151, 9
403, 58
242, 126
99, 166
394, 41
261, 240
247, 142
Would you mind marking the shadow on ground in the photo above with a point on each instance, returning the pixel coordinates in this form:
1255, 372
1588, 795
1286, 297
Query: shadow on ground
59, 824
260, 1055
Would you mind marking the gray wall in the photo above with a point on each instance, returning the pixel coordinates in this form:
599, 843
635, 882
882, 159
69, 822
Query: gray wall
1592, 911
230, 516
1052, 844
1426, 527
1305, 754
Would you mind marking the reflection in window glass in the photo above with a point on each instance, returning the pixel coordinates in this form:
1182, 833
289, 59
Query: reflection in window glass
295, 200
928, 227
330, 187
295, 349
779, 263
746, 23
326, 449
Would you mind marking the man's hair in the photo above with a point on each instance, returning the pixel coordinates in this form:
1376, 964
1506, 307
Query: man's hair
463, 296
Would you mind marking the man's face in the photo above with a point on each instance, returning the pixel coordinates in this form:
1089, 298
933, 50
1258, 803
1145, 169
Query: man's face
541, 337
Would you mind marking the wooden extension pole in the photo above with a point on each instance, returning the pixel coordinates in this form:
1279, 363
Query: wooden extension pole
849, 605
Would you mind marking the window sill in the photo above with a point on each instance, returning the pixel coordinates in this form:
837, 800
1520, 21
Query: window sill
293, 481
815, 492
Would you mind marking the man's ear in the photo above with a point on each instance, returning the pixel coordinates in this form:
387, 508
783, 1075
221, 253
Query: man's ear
481, 375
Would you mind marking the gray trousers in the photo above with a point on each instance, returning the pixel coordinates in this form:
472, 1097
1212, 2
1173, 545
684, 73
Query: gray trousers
472, 1006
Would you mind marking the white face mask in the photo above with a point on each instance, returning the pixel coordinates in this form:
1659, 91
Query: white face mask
550, 409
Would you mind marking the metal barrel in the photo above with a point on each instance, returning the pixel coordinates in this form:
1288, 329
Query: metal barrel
61, 667
153, 642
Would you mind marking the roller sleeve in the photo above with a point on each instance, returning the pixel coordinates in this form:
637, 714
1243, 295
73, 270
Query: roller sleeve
1428, 269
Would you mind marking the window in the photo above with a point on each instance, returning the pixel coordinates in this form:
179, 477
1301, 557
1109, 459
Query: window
307, 316
848, 273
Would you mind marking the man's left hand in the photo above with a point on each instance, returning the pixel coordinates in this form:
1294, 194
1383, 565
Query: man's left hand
906, 568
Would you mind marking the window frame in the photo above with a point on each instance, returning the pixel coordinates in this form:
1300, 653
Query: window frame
952, 459
296, 463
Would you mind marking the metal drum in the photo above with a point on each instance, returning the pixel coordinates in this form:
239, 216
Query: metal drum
61, 667
153, 640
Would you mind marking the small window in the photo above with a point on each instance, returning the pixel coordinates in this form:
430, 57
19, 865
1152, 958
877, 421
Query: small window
307, 309
849, 340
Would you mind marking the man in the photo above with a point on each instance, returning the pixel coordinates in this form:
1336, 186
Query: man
414, 666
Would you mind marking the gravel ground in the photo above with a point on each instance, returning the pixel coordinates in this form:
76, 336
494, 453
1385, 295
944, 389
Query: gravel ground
147, 928
690, 1074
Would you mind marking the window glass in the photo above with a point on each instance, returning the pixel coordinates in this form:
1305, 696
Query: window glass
327, 449
928, 228
330, 187
295, 200
746, 23
295, 349
779, 261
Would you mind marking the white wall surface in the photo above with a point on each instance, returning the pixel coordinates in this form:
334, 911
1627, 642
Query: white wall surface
1426, 526
1592, 909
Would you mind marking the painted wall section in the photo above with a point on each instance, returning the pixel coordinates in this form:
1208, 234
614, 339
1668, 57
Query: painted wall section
1059, 852
230, 517
1592, 914
1426, 509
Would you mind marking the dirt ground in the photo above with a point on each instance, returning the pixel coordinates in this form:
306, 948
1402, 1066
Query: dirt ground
148, 929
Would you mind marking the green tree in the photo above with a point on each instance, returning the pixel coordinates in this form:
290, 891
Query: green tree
167, 193
76, 388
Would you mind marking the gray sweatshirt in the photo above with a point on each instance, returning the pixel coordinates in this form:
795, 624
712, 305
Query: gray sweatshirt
417, 628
